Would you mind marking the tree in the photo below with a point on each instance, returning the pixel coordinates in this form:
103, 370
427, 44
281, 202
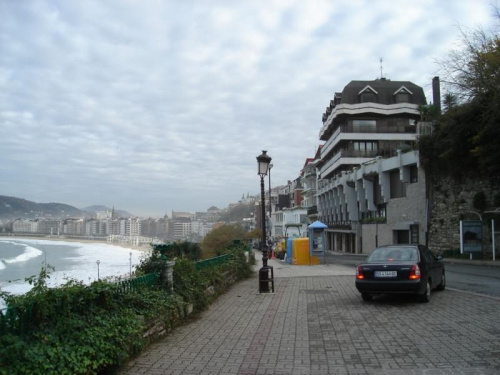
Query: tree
472, 71
466, 139
238, 212
255, 234
450, 101
219, 239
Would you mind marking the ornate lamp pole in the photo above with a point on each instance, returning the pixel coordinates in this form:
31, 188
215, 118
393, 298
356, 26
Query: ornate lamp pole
263, 161
270, 204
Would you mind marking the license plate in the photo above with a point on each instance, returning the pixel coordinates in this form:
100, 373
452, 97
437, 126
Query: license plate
386, 273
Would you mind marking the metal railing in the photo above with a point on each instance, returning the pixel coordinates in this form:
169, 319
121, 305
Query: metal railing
130, 285
212, 262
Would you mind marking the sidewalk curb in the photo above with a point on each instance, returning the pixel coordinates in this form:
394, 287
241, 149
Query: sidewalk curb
483, 263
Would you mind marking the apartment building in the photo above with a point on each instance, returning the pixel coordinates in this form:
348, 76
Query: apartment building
75, 227
290, 222
25, 226
309, 184
380, 202
369, 120
52, 227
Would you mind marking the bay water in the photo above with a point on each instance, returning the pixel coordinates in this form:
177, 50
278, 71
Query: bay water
21, 258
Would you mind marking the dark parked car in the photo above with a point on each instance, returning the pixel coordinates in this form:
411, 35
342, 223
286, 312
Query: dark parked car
402, 269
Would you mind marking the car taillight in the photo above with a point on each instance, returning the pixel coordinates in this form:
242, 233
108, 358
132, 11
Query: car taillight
415, 272
359, 273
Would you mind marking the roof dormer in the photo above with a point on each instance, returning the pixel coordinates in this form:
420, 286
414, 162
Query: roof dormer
368, 94
402, 95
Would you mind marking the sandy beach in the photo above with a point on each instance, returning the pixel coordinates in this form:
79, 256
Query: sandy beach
126, 245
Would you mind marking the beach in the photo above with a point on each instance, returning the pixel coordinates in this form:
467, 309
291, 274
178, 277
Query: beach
124, 244
73, 259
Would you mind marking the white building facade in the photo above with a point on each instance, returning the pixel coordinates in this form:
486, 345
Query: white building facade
290, 222
370, 120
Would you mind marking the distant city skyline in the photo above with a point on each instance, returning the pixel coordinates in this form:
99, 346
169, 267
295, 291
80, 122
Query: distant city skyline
159, 106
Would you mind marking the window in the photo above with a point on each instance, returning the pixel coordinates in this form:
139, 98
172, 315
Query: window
393, 253
429, 257
402, 97
365, 148
364, 126
368, 96
414, 234
382, 210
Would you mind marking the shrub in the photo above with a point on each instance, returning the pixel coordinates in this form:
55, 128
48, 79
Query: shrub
80, 329
219, 239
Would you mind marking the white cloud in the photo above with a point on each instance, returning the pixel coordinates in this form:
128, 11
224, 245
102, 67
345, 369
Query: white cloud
153, 106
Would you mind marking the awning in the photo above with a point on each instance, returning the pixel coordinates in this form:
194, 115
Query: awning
404, 225
318, 225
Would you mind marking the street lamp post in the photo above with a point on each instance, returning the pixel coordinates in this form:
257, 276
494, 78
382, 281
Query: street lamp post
270, 205
98, 262
266, 274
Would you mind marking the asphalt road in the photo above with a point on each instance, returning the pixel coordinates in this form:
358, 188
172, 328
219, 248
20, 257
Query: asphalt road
475, 279
461, 276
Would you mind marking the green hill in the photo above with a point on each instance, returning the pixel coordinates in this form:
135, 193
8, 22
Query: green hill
14, 208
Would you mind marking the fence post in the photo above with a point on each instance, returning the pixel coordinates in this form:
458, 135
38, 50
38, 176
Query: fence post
168, 275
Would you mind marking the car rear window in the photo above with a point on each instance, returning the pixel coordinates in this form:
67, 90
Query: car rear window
392, 253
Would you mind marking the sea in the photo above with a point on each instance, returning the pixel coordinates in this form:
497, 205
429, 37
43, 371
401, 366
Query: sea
86, 262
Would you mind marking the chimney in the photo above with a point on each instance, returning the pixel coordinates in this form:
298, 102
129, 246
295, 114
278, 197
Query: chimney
436, 93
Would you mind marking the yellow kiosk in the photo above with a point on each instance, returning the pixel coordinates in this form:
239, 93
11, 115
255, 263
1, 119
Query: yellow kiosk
301, 255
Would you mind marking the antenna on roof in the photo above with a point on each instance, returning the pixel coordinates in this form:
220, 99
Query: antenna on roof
381, 69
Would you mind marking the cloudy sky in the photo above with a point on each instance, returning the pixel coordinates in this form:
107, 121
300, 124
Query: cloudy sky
153, 106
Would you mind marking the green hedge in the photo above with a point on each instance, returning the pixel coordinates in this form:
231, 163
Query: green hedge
100, 327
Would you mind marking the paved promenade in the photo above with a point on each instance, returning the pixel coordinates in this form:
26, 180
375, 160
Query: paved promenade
316, 323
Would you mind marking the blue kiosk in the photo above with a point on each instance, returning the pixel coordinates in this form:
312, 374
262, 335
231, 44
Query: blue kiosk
317, 239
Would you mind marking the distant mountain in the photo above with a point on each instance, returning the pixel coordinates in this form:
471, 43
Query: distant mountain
97, 208
13, 208
18, 208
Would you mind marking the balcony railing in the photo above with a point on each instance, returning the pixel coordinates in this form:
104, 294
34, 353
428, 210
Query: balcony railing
358, 108
349, 154
362, 129
343, 225
312, 210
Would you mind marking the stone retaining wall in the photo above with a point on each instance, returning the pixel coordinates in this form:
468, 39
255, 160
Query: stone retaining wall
452, 201
159, 327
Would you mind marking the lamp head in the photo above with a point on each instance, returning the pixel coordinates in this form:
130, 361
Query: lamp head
263, 161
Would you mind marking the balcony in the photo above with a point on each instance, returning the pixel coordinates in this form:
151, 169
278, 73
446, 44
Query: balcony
312, 210
369, 107
360, 129
351, 156
341, 225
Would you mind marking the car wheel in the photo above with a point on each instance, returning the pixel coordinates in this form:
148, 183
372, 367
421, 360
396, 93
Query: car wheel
426, 297
442, 285
366, 297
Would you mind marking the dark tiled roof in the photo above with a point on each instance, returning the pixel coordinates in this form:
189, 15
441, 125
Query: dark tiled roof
385, 89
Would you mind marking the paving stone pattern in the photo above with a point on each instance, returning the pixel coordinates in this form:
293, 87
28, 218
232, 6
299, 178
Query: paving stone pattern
320, 325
